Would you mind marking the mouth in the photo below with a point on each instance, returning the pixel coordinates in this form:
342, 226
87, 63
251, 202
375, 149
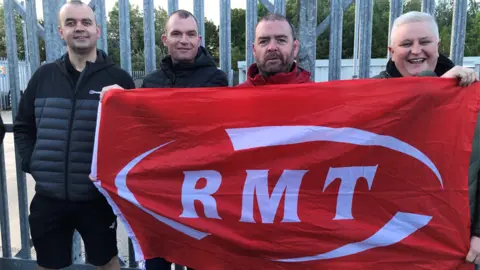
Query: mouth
184, 49
416, 60
81, 37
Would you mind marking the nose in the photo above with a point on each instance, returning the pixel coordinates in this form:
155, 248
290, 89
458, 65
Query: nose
272, 46
416, 48
184, 39
79, 27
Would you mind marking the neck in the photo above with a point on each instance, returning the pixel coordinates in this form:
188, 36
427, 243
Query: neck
79, 61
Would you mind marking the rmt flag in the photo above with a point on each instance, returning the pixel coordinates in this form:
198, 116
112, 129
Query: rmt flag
365, 174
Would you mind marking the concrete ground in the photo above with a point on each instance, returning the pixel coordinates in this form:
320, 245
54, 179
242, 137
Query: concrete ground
13, 197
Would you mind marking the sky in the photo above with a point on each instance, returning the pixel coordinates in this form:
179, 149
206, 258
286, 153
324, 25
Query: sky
210, 12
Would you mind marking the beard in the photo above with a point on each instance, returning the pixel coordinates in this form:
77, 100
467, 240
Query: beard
274, 63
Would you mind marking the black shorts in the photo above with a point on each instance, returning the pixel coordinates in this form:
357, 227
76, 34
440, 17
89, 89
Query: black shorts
52, 224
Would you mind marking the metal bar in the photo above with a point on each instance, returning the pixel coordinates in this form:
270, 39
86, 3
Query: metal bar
251, 18
32, 37
125, 45
459, 23
307, 20
326, 22
280, 7
396, 9
198, 10
149, 35
225, 36
131, 254
23, 13
355, 40
54, 47
101, 17
268, 5
365, 36
25, 38
428, 6
14, 87
335, 56
4, 220
172, 6
76, 248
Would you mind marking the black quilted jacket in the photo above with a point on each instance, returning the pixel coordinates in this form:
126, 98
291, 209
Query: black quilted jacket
55, 126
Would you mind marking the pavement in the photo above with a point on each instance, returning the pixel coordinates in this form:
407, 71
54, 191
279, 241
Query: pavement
12, 194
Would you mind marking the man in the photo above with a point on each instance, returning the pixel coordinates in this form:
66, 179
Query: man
188, 65
54, 132
275, 50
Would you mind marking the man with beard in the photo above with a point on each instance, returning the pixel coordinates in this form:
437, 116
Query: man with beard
54, 133
275, 50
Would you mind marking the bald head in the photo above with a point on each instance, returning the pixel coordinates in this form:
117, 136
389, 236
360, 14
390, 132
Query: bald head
74, 4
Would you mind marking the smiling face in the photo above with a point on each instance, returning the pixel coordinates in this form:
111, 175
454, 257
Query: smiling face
182, 39
78, 28
414, 48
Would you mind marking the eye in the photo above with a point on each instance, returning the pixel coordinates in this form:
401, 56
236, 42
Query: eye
282, 41
425, 42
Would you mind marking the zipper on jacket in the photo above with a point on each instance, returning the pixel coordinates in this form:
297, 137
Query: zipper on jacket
70, 124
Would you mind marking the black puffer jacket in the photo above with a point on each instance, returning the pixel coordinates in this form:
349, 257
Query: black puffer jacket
202, 73
443, 65
55, 126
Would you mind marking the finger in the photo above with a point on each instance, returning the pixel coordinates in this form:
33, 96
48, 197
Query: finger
470, 256
92, 178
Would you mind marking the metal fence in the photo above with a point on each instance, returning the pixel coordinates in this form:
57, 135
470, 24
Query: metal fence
308, 31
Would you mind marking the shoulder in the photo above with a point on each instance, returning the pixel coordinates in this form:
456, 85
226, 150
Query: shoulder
381, 75
154, 79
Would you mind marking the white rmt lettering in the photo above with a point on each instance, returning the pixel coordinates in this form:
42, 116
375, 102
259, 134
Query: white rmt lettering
348, 179
204, 195
257, 183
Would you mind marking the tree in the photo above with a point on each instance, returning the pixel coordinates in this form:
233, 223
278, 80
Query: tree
212, 40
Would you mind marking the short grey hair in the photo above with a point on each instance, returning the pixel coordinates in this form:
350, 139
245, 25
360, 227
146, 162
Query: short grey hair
413, 17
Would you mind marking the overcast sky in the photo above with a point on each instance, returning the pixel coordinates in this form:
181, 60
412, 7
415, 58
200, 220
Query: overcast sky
212, 7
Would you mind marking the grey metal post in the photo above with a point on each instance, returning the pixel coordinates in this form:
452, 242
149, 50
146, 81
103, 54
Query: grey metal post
268, 5
335, 55
428, 6
307, 23
31, 20
54, 47
225, 36
355, 40
365, 21
198, 10
149, 35
396, 9
459, 25
14, 87
25, 38
125, 45
251, 21
280, 7
101, 17
4, 217
172, 6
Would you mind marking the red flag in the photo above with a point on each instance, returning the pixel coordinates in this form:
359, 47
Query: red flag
366, 174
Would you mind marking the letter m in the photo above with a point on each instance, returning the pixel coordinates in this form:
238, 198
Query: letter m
257, 184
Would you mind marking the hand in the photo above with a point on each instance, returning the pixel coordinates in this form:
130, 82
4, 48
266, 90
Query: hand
473, 255
467, 76
108, 88
93, 179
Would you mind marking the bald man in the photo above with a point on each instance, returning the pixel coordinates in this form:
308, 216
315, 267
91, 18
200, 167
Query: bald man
54, 133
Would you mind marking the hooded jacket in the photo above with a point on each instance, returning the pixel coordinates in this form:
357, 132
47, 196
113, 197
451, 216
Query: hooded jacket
55, 126
296, 75
201, 73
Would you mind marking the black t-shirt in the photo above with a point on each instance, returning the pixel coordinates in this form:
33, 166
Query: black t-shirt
74, 74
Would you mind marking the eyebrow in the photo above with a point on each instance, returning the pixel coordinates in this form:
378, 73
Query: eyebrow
83, 20
276, 36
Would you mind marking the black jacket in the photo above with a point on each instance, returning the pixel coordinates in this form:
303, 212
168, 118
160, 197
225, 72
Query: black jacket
55, 126
2, 130
443, 65
202, 73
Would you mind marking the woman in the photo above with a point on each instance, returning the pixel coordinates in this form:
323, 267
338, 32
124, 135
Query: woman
414, 43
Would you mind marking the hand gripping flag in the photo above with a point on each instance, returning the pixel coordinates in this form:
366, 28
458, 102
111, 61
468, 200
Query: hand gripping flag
364, 174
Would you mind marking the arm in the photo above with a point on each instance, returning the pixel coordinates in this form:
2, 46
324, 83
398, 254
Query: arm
24, 127
218, 79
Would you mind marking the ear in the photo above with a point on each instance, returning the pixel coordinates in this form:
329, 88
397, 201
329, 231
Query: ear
99, 33
390, 49
296, 48
164, 40
199, 41
438, 48
60, 32
253, 48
